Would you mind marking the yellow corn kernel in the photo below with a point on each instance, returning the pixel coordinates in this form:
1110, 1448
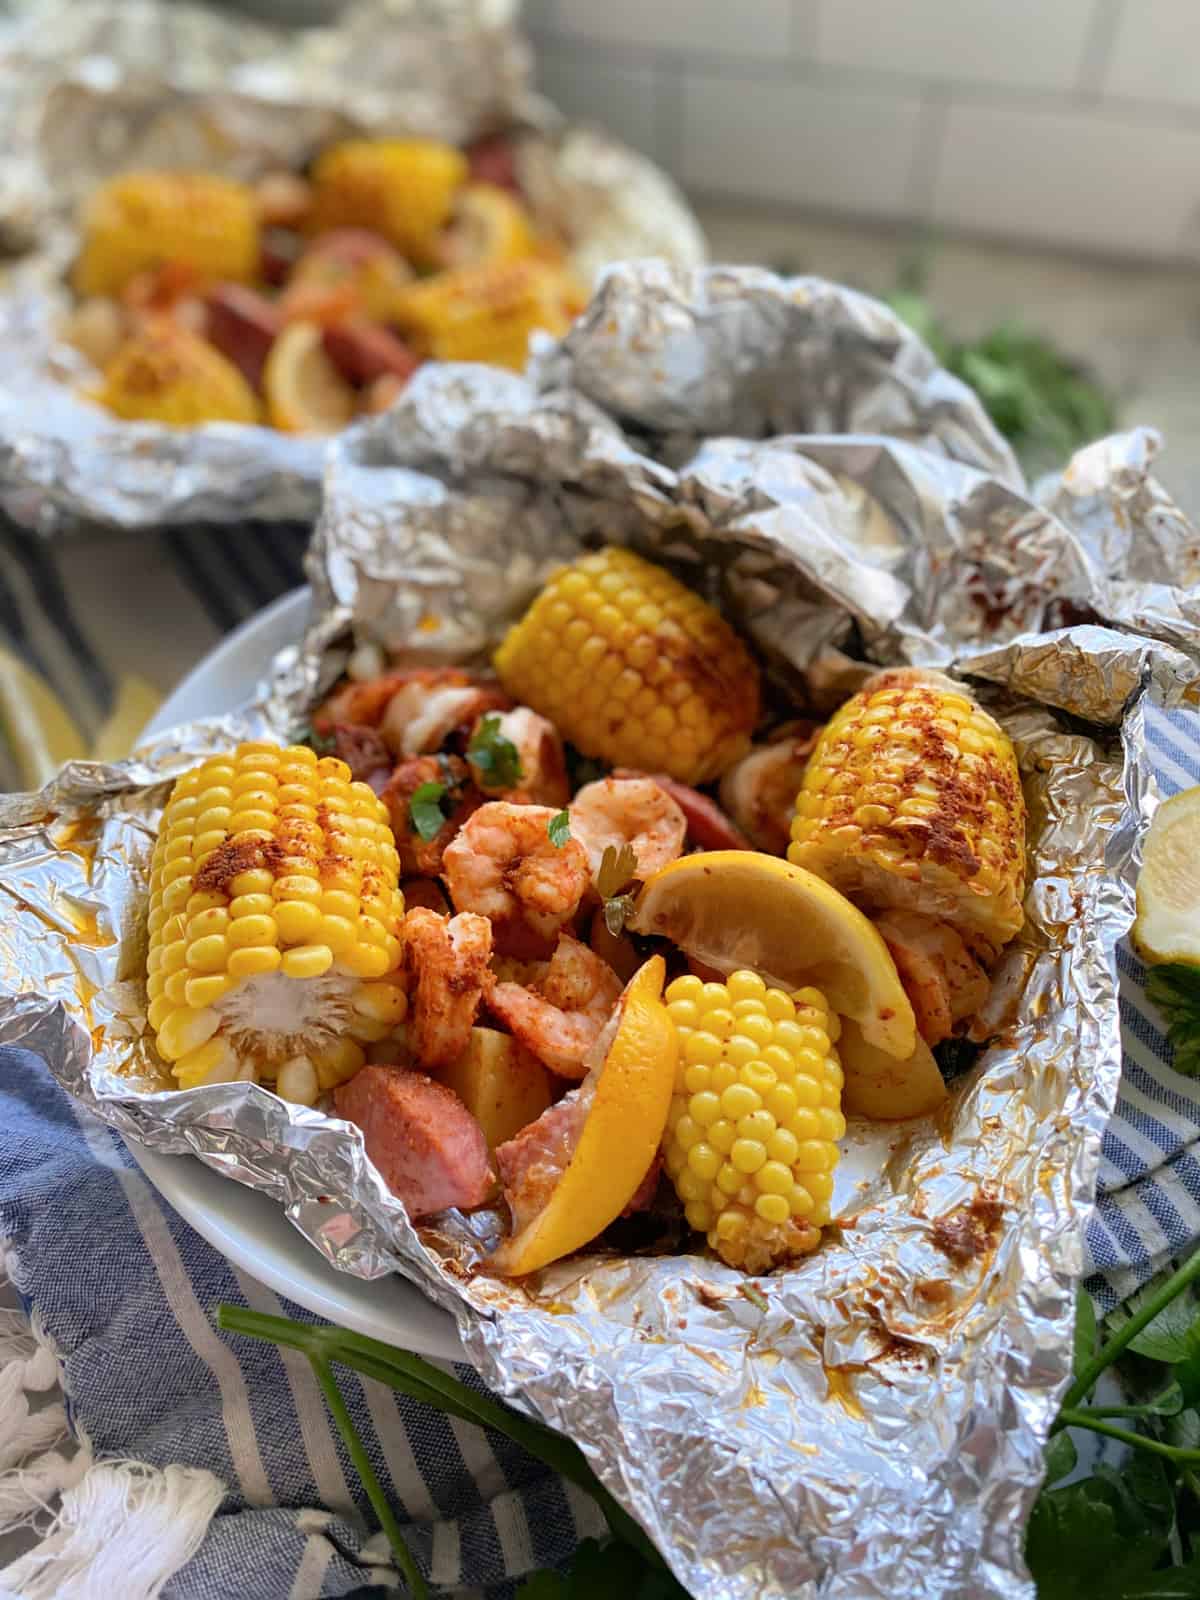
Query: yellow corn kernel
487, 313
912, 798
401, 188
239, 921
141, 219
741, 1150
163, 373
306, 961
184, 1031
611, 613
254, 961
338, 1063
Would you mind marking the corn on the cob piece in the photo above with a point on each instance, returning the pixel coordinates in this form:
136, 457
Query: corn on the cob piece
752, 1132
164, 374
487, 313
912, 798
488, 224
274, 920
401, 188
633, 668
144, 218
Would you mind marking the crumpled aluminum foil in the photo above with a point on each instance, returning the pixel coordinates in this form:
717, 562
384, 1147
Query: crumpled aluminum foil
102, 86
876, 1429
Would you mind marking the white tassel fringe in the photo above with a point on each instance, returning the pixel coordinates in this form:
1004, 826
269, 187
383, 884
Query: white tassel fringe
120, 1528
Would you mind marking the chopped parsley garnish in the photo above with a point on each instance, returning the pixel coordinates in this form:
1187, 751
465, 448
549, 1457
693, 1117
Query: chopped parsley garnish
425, 809
494, 755
559, 828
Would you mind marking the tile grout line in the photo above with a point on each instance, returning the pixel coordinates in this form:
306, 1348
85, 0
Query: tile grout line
1098, 41
921, 189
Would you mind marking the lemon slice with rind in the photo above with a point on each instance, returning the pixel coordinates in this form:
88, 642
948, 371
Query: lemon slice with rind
1168, 887
739, 908
620, 1135
305, 392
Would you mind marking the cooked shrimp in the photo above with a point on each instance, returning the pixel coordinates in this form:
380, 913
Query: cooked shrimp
628, 811
940, 975
424, 712
543, 774
423, 857
562, 1018
707, 825
759, 791
447, 961
503, 865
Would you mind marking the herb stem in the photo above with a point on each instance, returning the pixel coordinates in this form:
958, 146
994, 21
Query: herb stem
424, 1382
1126, 1334
1085, 1419
362, 1463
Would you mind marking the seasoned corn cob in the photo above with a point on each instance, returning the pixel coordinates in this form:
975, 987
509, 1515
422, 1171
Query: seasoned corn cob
144, 218
487, 313
633, 668
489, 224
912, 798
274, 915
401, 188
164, 374
754, 1120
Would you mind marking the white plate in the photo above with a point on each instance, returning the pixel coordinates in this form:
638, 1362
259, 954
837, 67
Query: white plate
248, 1227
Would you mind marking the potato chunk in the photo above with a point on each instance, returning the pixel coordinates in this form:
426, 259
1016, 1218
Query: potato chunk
500, 1083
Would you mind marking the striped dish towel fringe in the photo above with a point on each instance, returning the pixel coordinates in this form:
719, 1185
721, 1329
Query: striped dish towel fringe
197, 1465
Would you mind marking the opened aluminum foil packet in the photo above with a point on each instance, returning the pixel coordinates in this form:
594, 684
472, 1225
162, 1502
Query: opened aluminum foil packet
105, 86
871, 1420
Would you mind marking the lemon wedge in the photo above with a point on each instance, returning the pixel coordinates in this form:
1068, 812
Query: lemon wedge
620, 1135
880, 1087
739, 908
35, 723
305, 391
136, 702
1168, 887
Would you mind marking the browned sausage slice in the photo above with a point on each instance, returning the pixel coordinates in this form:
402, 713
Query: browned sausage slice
363, 351
422, 1140
243, 326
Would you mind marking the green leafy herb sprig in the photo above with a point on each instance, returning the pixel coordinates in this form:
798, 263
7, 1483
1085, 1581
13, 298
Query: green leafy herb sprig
1131, 1533
1175, 990
618, 868
494, 755
1042, 401
425, 809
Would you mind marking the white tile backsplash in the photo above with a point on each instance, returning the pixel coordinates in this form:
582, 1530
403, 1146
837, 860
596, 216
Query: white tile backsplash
1020, 43
733, 27
620, 98
1155, 52
798, 143
1073, 122
1072, 178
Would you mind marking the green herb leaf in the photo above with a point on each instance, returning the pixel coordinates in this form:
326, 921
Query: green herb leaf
600, 1571
1169, 1338
1175, 990
617, 869
1173, 1583
494, 755
1087, 1539
321, 744
425, 809
1061, 1457
559, 828
1085, 1329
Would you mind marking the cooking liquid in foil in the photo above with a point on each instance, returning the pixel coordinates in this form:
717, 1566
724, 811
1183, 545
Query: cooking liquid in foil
792, 451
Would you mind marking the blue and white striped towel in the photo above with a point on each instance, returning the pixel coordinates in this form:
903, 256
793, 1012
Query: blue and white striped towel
1148, 1190
124, 1293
